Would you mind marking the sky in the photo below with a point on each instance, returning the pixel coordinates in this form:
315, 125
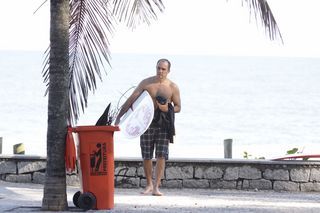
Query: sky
215, 27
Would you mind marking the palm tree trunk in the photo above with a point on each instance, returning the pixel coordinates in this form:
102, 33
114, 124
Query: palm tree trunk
54, 195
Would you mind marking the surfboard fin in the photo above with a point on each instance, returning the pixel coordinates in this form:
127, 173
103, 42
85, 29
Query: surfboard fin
105, 118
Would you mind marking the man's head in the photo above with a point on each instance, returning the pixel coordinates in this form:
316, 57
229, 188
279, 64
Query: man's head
163, 68
164, 60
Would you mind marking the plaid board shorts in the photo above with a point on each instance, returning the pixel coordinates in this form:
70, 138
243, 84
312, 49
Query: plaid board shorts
154, 137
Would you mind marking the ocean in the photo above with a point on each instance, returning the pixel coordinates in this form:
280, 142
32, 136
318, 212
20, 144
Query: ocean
266, 105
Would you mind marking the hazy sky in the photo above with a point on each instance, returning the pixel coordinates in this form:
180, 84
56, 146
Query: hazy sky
186, 27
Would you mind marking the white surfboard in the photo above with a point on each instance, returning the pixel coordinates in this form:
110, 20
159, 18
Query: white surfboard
139, 117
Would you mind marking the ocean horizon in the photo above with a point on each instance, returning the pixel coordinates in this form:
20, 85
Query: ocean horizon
267, 105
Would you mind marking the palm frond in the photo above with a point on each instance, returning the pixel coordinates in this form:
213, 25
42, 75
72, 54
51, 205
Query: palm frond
91, 25
45, 70
263, 12
135, 12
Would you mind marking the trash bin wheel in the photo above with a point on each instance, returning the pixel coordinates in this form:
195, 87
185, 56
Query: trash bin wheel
87, 201
75, 198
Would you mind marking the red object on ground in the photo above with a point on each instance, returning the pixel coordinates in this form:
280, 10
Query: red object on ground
70, 153
297, 156
97, 165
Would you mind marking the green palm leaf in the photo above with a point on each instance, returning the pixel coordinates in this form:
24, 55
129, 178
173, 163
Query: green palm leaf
135, 12
91, 24
263, 12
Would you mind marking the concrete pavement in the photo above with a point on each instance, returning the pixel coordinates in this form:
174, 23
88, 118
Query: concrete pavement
18, 197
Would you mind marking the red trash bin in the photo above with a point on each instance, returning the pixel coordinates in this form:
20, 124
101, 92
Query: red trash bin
96, 161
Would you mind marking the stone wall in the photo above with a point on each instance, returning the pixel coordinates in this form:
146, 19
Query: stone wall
290, 175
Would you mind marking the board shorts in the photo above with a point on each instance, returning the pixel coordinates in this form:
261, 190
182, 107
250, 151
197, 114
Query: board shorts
154, 138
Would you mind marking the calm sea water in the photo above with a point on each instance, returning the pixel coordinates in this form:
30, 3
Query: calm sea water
266, 105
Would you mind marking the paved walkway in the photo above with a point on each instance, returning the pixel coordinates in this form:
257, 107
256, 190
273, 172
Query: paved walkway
16, 197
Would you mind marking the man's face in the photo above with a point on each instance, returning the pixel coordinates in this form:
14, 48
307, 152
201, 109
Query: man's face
162, 69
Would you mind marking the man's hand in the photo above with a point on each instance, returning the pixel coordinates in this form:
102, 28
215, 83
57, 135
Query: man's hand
163, 107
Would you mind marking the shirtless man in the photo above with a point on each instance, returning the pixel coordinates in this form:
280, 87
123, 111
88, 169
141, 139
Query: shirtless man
155, 136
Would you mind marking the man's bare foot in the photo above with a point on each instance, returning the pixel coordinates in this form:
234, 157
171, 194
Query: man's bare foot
156, 192
147, 190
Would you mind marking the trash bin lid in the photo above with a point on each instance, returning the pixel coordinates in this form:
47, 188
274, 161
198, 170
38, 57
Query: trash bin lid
95, 128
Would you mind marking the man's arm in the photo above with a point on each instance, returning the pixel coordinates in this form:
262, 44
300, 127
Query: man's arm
129, 102
176, 99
